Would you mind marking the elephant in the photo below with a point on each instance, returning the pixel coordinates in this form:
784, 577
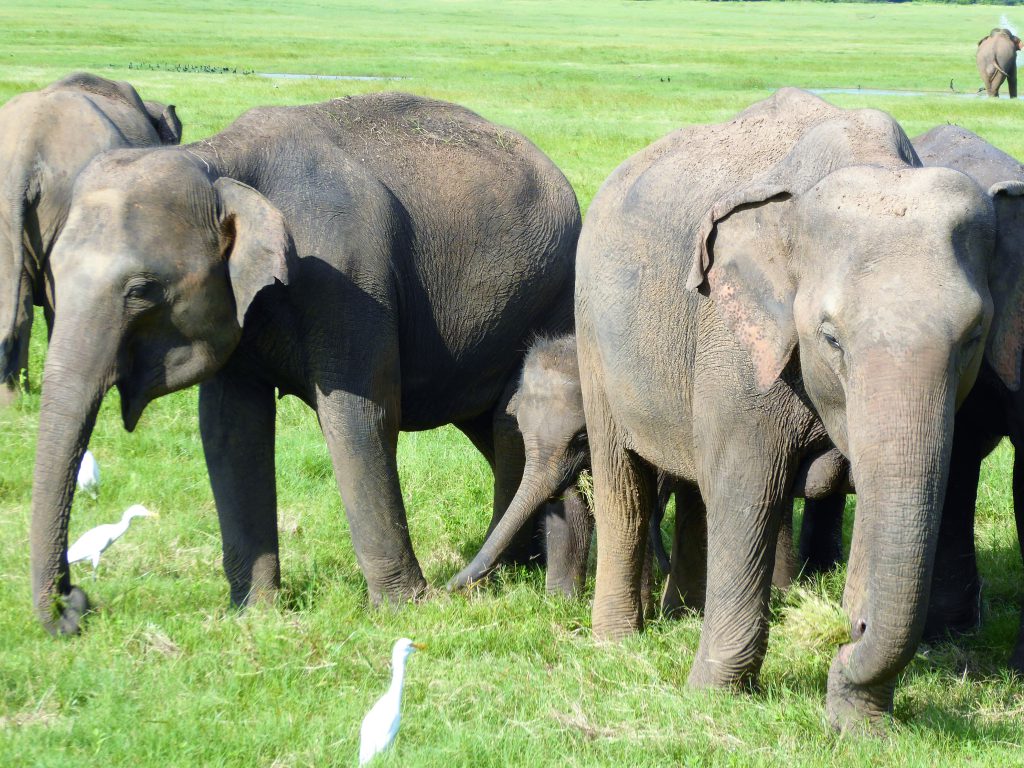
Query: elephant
381, 257
991, 412
750, 295
46, 138
997, 61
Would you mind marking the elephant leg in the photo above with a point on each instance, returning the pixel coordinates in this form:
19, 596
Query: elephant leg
1011, 81
1017, 657
362, 437
745, 503
785, 570
624, 494
821, 534
687, 579
568, 527
236, 419
955, 601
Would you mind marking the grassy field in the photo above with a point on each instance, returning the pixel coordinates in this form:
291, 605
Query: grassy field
166, 675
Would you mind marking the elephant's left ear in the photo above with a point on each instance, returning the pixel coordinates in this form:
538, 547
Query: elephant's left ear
254, 240
1006, 284
741, 262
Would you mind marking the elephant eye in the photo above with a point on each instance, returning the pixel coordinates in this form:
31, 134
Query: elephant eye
142, 293
832, 341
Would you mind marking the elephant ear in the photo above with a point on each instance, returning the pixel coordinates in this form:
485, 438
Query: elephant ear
254, 240
164, 118
1006, 283
742, 264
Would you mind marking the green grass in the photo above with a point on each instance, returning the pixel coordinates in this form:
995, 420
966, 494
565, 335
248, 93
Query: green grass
166, 675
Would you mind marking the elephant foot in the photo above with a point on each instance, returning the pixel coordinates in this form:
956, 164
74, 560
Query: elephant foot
953, 611
64, 613
713, 673
610, 625
855, 708
406, 587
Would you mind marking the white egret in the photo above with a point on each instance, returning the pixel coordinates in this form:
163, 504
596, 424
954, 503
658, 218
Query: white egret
89, 474
91, 543
380, 726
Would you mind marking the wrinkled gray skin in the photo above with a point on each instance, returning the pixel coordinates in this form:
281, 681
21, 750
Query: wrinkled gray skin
46, 138
376, 256
997, 61
749, 294
548, 408
991, 412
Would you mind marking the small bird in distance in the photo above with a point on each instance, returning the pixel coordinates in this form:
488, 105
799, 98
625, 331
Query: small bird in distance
380, 726
93, 542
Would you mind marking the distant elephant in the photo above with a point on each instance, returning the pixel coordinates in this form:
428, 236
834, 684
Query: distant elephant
751, 294
378, 256
991, 412
997, 61
46, 138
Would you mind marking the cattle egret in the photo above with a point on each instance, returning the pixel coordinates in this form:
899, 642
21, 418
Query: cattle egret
89, 475
91, 543
381, 723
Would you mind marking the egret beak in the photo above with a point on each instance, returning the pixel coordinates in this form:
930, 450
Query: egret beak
420, 646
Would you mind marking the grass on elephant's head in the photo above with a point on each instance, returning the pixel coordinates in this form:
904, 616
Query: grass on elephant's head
166, 674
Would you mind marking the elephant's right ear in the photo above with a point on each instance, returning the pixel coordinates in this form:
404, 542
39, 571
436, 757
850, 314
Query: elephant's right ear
1006, 284
164, 118
742, 263
254, 240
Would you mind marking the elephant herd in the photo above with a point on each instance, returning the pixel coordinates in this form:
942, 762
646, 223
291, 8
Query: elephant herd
793, 303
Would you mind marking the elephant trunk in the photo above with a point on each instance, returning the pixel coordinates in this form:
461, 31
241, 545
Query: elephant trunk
76, 377
541, 480
900, 440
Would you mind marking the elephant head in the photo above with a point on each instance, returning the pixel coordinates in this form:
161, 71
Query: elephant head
872, 284
153, 274
548, 405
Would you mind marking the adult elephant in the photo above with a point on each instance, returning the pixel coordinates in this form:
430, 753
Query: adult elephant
383, 257
46, 138
997, 61
991, 412
749, 294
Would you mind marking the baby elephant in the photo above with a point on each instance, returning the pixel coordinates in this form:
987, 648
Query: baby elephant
549, 408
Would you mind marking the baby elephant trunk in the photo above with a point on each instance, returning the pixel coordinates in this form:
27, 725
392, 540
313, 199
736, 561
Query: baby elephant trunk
541, 480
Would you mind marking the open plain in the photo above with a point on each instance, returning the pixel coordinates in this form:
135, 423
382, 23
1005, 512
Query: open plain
167, 675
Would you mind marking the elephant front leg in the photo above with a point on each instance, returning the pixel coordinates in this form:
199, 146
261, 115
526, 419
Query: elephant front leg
236, 419
687, 579
624, 495
362, 437
743, 522
568, 529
